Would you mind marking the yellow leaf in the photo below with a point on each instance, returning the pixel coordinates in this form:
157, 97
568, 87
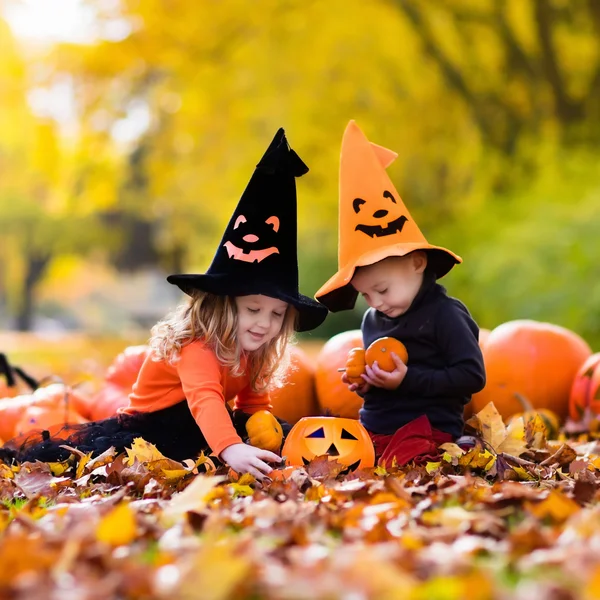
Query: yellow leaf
432, 466
6, 472
143, 451
523, 474
193, 498
58, 468
452, 450
556, 507
118, 527
492, 427
380, 471
514, 443
219, 568
241, 490
174, 475
84, 460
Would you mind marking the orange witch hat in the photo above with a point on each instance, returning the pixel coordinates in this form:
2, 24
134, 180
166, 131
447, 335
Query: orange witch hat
374, 223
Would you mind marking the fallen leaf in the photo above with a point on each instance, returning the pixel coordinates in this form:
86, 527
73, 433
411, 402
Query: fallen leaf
118, 527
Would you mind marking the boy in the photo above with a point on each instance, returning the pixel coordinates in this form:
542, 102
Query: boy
384, 256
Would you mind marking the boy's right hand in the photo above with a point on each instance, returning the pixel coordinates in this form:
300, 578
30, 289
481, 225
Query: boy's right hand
243, 458
361, 389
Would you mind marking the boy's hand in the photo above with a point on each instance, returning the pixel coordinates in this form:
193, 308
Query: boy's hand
360, 389
385, 379
243, 458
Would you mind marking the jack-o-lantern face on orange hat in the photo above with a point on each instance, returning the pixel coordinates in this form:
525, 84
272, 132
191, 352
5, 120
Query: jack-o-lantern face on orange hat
374, 223
377, 218
344, 440
257, 254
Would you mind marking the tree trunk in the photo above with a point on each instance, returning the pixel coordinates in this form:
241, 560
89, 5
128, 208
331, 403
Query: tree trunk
36, 267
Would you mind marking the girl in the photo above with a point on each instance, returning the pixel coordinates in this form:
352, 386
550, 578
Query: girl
228, 341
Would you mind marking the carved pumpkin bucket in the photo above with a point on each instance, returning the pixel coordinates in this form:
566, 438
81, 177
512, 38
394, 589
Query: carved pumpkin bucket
344, 440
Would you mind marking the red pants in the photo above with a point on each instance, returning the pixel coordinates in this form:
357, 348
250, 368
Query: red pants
416, 441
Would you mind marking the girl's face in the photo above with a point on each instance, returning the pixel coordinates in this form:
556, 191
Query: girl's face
259, 320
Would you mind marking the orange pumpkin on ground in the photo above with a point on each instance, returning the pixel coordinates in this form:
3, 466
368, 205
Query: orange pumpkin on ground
332, 393
381, 351
536, 360
355, 365
124, 369
107, 401
44, 417
297, 397
344, 440
55, 395
59, 394
483, 336
585, 391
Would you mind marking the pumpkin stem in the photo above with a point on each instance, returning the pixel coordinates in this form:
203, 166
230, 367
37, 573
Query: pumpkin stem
525, 403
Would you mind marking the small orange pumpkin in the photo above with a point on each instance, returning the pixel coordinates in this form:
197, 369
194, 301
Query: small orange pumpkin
381, 351
344, 440
355, 365
264, 431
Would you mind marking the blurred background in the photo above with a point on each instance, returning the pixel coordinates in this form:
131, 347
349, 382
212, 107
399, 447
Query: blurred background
129, 129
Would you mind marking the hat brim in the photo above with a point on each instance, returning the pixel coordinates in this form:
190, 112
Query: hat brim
337, 294
310, 312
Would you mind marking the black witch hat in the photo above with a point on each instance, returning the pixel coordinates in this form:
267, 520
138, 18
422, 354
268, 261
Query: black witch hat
258, 253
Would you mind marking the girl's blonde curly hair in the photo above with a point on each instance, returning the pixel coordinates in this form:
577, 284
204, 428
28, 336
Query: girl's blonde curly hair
213, 319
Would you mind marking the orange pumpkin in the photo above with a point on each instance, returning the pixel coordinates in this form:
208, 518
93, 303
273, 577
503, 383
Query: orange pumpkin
483, 336
585, 391
381, 351
264, 431
332, 393
11, 410
297, 398
44, 417
344, 440
124, 369
536, 360
355, 365
55, 395
107, 401
59, 394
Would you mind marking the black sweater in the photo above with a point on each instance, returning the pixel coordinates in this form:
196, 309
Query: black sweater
445, 365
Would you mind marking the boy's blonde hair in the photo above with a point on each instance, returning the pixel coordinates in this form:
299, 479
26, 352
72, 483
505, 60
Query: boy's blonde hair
213, 319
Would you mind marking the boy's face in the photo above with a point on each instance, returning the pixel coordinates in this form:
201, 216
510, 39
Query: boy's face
390, 285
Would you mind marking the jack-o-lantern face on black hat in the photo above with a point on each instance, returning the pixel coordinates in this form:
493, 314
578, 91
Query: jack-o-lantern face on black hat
253, 241
377, 219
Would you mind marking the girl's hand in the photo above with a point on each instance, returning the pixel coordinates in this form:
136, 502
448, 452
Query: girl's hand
359, 388
243, 458
385, 379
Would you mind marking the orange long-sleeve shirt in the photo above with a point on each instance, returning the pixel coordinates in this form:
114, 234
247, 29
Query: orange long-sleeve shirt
205, 383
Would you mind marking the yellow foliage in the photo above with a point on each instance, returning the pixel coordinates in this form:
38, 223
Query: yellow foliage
118, 527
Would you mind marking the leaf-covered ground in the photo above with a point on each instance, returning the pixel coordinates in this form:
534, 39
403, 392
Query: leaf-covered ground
515, 516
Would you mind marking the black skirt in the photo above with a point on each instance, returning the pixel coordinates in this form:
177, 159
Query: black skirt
172, 430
